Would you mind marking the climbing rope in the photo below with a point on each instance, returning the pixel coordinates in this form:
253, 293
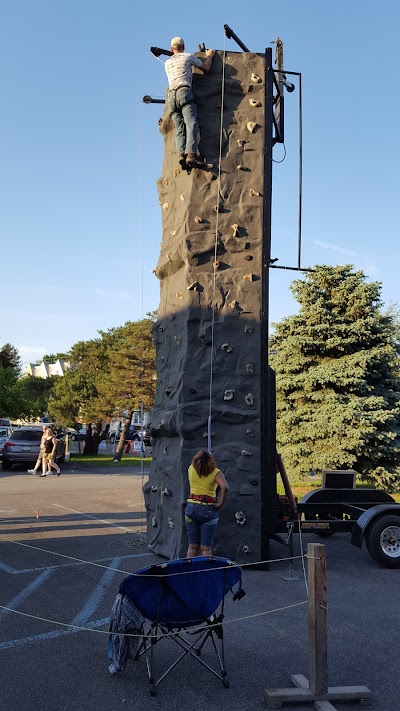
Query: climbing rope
215, 251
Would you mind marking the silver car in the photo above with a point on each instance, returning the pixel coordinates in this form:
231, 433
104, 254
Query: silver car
23, 445
5, 432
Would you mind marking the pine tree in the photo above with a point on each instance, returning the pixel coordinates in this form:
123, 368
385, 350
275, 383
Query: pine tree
338, 390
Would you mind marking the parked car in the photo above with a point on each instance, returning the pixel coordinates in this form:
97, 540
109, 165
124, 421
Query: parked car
71, 432
4, 435
133, 435
79, 435
22, 446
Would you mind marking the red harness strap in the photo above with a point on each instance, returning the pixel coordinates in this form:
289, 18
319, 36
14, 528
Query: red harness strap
203, 498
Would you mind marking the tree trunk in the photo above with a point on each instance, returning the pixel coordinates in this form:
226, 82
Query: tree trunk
120, 448
88, 440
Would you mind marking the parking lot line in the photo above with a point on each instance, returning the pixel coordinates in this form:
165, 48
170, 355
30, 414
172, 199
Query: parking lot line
101, 520
34, 585
96, 596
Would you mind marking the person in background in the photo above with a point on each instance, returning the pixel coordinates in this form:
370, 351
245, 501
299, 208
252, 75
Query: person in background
181, 103
49, 449
40, 455
202, 507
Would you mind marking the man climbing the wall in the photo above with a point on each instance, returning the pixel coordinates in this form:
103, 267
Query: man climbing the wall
182, 106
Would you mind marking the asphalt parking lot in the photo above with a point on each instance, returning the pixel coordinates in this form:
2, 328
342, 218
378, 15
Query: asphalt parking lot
84, 531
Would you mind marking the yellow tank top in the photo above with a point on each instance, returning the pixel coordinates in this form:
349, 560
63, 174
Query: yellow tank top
202, 485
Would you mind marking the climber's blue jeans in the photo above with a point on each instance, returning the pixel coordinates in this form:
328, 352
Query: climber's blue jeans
183, 112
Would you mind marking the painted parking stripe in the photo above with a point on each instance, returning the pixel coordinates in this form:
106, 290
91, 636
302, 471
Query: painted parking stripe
15, 571
50, 635
101, 520
96, 596
18, 599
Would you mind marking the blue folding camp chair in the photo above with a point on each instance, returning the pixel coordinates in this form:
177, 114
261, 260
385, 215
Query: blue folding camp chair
183, 600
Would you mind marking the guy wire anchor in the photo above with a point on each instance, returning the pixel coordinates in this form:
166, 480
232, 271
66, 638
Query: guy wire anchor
289, 542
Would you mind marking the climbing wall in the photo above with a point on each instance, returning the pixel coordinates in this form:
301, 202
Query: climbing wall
209, 315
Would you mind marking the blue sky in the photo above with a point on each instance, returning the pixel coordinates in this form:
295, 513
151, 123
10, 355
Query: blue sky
80, 153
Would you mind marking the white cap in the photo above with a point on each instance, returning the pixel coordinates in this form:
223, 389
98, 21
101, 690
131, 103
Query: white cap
177, 42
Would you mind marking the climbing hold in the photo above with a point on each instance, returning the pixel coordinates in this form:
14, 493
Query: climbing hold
240, 518
173, 233
198, 220
165, 181
161, 328
171, 522
218, 208
162, 358
192, 391
254, 102
250, 432
256, 79
168, 390
235, 230
246, 550
248, 329
165, 450
229, 394
251, 126
154, 489
245, 453
202, 334
235, 306
177, 340
165, 207
239, 167
182, 197
195, 286
206, 434
248, 258
166, 492
154, 522
176, 172
249, 368
241, 142
178, 295
249, 277
172, 317
226, 347
162, 424
254, 193
217, 264
249, 400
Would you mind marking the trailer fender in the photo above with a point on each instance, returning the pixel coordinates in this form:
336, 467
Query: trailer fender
368, 517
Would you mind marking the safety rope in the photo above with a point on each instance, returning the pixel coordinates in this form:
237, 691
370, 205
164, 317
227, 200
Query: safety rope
215, 251
149, 636
129, 572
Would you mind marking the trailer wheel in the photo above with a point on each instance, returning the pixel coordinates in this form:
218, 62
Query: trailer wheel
383, 541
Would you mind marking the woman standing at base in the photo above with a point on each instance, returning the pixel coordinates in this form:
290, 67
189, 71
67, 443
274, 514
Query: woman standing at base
201, 513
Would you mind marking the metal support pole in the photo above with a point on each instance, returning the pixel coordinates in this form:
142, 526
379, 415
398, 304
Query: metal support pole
267, 384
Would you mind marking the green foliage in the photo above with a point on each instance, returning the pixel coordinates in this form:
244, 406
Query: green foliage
338, 393
109, 375
33, 395
10, 368
9, 403
10, 358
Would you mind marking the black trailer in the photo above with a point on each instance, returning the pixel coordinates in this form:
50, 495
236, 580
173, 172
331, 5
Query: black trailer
369, 515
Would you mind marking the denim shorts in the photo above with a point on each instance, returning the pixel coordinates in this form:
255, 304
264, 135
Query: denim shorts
201, 523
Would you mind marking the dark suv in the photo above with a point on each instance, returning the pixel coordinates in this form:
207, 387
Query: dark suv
22, 447
134, 435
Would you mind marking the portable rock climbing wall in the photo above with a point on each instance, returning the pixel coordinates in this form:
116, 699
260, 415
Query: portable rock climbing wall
207, 334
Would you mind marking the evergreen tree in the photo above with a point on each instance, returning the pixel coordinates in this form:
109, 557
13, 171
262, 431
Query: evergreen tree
338, 392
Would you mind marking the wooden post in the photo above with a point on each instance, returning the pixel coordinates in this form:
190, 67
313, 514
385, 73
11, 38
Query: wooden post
317, 619
316, 689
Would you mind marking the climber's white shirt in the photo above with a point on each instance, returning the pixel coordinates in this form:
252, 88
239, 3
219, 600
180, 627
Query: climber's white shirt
179, 69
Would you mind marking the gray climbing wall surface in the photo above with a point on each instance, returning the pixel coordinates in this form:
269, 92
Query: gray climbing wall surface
196, 283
